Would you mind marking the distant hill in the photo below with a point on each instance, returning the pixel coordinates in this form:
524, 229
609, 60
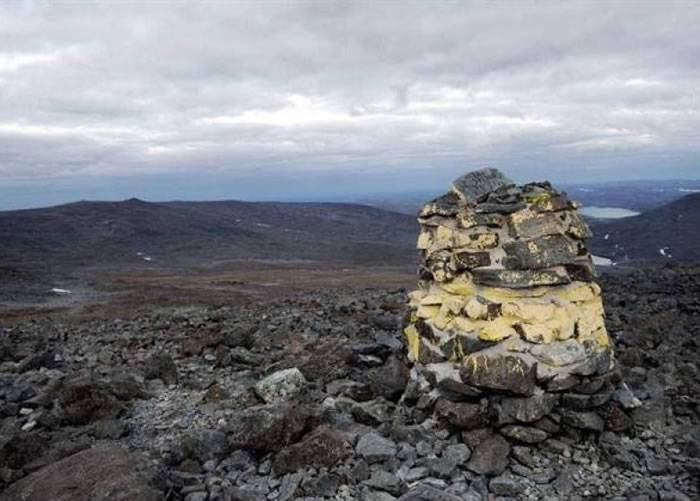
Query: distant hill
671, 231
85, 234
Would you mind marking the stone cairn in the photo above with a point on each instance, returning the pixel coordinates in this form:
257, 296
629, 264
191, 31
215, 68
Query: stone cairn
507, 320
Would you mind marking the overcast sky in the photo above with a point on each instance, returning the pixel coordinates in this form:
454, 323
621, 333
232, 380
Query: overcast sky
292, 100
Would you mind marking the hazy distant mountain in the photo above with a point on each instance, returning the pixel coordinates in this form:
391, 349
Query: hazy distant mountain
105, 233
668, 232
633, 195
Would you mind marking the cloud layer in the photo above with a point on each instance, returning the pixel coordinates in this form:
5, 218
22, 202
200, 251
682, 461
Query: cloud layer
382, 91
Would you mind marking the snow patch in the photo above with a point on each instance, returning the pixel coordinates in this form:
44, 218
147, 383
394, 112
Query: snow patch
607, 235
602, 261
665, 252
60, 291
689, 190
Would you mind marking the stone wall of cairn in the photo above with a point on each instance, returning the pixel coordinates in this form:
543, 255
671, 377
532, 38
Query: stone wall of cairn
507, 319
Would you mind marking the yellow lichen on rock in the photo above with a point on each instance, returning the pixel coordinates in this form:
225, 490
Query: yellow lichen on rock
497, 330
506, 265
413, 341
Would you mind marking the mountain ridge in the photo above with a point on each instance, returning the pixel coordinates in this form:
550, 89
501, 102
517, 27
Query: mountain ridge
669, 231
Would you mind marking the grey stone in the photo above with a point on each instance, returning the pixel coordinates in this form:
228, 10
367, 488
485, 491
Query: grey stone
474, 185
581, 402
490, 457
262, 429
325, 485
415, 474
506, 485
462, 415
525, 434
583, 420
204, 445
459, 452
161, 365
559, 353
442, 467
373, 412
541, 252
385, 481
525, 410
375, 448
624, 396
323, 447
471, 260
280, 385
369, 495
521, 279
445, 205
428, 493
509, 373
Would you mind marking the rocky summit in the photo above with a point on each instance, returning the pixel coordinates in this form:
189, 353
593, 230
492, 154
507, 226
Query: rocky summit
505, 385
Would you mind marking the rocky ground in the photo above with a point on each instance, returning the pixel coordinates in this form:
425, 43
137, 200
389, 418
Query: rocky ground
308, 396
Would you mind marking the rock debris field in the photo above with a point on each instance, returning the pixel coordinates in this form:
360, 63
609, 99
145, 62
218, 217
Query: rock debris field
310, 397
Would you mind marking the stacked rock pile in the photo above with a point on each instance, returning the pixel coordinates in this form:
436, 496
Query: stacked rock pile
507, 316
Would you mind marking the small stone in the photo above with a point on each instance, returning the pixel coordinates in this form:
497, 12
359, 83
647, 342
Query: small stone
474, 185
525, 434
428, 493
626, 398
490, 457
505, 485
461, 415
559, 353
500, 372
583, 420
161, 366
280, 385
459, 452
375, 448
385, 481
521, 279
321, 448
525, 410
540, 252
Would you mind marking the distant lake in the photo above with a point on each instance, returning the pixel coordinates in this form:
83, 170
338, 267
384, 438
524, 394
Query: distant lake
608, 212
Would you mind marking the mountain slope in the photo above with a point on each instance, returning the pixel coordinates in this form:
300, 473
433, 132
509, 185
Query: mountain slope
106, 233
672, 230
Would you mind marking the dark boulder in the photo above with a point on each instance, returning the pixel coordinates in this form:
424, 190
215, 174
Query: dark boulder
322, 448
507, 373
161, 366
267, 428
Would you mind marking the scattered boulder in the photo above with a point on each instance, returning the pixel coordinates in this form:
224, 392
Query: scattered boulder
374, 448
267, 428
161, 366
83, 400
322, 448
389, 380
280, 385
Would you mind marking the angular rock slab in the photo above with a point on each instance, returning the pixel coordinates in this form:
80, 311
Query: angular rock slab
506, 373
474, 185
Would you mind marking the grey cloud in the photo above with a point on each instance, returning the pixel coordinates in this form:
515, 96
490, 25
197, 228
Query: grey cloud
575, 90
